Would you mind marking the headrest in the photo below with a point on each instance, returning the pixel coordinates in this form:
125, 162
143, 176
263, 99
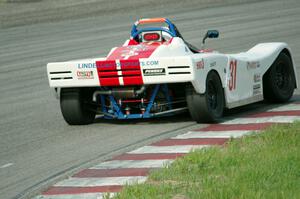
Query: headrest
152, 36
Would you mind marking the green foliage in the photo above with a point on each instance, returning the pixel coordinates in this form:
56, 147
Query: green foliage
263, 165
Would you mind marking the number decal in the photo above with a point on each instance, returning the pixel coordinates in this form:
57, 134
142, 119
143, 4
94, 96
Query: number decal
232, 80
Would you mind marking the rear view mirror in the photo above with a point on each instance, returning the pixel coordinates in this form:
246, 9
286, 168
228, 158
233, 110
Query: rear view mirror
210, 34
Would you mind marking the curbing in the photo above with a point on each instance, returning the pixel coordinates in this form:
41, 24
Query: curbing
134, 166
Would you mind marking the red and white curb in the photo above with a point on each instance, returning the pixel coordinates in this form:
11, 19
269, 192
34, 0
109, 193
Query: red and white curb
134, 166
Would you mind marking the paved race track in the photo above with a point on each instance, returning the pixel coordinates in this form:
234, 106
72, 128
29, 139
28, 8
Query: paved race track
36, 145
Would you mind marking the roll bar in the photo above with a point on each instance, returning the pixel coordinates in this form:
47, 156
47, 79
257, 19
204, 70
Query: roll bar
135, 31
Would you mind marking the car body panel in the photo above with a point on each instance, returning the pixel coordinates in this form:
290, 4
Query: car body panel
137, 64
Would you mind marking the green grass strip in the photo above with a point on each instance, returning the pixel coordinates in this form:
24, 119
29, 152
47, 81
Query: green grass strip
264, 165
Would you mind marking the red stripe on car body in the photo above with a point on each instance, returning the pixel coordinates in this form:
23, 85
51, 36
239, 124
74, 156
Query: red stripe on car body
107, 72
131, 72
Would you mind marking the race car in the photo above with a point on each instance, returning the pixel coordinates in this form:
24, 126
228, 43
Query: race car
156, 72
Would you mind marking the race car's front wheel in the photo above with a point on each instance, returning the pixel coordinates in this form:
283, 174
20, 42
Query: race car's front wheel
207, 107
279, 80
74, 106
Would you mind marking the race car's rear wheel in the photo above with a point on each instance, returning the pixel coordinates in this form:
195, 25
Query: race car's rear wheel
74, 106
209, 106
279, 81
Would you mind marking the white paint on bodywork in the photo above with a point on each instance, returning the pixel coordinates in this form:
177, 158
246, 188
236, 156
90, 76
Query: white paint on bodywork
247, 90
212, 61
72, 66
264, 54
176, 48
166, 63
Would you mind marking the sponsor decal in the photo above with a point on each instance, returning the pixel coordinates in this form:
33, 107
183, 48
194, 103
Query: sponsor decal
256, 89
154, 71
106, 64
129, 63
128, 53
253, 65
85, 75
133, 50
149, 63
213, 64
232, 80
139, 48
256, 78
86, 65
200, 64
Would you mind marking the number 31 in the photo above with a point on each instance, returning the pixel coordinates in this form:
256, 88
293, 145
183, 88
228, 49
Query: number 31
232, 80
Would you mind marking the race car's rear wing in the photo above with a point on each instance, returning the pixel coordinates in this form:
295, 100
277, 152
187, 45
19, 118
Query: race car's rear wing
101, 72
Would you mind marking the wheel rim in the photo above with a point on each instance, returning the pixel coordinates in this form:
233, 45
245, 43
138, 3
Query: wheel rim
212, 95
282, 77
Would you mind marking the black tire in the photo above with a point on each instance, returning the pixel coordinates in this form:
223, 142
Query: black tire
74, 106
279, 80
209, 106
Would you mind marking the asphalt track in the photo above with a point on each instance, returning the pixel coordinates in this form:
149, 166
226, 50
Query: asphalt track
35, 143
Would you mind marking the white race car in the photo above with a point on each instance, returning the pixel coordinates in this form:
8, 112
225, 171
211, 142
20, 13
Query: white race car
157, 73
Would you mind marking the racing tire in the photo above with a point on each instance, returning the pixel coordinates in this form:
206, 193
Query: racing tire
74, 106
207, 107
279, 80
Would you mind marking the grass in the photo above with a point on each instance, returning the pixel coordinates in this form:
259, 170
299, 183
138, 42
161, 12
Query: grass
264, 165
